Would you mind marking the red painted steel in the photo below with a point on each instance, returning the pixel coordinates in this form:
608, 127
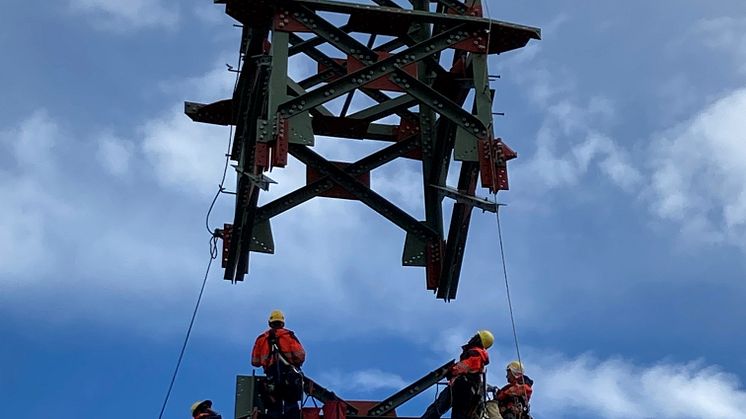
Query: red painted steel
476, 43
337, 191
227, 232
381, 83
285, 22
261, 157
434, 263
280, 146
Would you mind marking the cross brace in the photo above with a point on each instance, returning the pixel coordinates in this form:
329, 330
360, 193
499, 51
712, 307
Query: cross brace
419, 108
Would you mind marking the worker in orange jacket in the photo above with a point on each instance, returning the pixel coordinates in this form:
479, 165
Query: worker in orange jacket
281, 355
513, 398
463, 392
202, 409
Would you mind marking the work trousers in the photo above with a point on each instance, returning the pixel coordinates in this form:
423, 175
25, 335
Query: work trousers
283, 392
462, 397
515, 415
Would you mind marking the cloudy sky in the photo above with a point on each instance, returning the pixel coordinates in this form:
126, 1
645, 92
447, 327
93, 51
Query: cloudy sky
625, 228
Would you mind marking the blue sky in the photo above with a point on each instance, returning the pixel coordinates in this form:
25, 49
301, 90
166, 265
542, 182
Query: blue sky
625, 225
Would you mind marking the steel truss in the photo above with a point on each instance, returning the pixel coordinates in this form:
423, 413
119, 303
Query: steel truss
249, 400
276, 116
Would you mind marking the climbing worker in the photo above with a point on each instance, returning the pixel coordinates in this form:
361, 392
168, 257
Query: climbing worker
464, 390
202, 409
281, 355
513, 398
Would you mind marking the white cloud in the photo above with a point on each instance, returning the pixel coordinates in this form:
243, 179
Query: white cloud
29, 203
572, 140
185, 155
569, 387
617, 388
364, 381
569, 144
33, 142
726, 34
121, 16
216, 84
401, 183
114, 154
698, 172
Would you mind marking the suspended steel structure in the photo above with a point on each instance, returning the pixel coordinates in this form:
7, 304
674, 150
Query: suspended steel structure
421, 69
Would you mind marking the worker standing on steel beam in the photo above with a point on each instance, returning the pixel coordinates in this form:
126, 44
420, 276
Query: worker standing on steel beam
281, 355
463, 393
513, 398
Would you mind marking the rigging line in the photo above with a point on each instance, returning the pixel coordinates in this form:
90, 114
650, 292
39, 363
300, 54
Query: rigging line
499, 227
213, 256
507, 283
510, 302
221, 188
497, 211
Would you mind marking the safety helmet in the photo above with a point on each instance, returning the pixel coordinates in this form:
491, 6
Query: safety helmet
515, 368
486, 337
276, 316
201, 403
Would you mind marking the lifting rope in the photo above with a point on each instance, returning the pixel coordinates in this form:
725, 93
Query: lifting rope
497, 209
507, 286
213, 256
214, 237
488, 15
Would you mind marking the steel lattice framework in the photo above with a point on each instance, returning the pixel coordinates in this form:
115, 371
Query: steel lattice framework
407, 77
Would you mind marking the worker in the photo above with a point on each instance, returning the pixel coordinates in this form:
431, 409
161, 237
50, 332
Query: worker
513, 398
281, 355
202, 409
463, 393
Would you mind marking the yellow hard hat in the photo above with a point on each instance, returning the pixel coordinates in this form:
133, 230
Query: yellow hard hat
276, 316
515, 367
486, 337
200, 403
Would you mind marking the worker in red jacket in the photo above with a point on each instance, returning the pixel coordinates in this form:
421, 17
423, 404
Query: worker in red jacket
513, 398
281, 355
463, 392
202, 409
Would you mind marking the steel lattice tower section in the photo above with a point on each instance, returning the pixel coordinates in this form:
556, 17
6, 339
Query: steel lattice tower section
406, 77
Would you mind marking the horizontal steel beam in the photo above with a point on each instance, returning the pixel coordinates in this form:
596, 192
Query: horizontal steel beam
463, 198
373, 71
385, 109
358, 129
216, 113
505, 36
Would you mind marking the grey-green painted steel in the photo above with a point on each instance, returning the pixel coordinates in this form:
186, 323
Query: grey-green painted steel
247, 397
412, 390
463, 198
313, 189
366, 195
374, 70
276, 115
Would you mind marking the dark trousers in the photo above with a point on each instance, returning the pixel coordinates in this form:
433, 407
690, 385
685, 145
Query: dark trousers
515, 415
283, 392
461, 397
281, 409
